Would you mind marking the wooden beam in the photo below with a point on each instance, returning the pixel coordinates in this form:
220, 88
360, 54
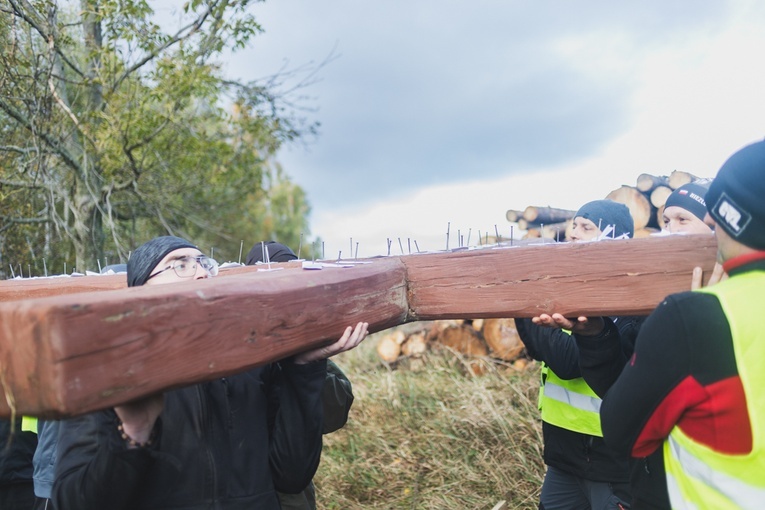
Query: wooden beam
73, 353
31, 288
620, 277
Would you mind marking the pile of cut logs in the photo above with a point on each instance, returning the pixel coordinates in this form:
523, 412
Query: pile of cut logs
645, 201
479, 342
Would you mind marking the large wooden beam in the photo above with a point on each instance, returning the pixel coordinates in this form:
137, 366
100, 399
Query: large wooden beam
77, 352
622, 277
70, 354
31, 288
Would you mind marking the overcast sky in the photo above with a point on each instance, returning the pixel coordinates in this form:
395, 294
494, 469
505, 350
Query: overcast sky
437, 113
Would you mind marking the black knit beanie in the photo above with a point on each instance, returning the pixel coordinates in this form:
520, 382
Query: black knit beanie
691, 198
277, 252
736, 198
607, 212
148, 255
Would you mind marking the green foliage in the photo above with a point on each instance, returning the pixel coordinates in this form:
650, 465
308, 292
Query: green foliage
433, 438
116, 130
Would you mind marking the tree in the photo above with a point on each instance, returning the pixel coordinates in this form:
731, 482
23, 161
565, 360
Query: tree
115, 130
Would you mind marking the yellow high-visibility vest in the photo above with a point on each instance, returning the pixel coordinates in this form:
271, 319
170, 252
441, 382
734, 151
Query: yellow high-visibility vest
569, 403
697, 476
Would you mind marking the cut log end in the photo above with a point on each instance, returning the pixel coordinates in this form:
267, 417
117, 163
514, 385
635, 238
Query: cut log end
636, 202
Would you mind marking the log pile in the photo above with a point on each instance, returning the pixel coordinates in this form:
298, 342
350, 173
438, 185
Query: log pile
645, 201
478, 342
548, 222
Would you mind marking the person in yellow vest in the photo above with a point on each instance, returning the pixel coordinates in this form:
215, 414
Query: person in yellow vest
602, 351
692, 392
582, 472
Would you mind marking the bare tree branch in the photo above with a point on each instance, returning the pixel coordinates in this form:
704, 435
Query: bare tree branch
20, 8
179, 36
20, 184
50, 142
11, 222
19, 150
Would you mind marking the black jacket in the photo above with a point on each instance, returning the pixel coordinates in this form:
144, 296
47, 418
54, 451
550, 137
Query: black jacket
227, 444
337, 398
578, 454
601, 359
16, 451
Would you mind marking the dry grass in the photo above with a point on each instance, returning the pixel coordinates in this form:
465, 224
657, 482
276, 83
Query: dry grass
434, 438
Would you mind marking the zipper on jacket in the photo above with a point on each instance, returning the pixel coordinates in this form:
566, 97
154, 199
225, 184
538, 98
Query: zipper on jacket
227, 391
588, 447
207, 436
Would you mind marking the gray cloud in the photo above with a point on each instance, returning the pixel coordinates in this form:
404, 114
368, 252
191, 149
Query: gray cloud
434, 92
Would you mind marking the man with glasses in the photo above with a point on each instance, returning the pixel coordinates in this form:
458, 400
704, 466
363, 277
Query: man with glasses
230, 443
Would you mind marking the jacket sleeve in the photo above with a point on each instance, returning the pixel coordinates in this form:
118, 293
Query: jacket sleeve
298, 423
643, 404
556, 348
601, 357
94, 468
337, 398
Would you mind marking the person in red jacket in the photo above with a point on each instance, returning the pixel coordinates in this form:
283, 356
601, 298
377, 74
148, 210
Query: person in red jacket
690, 398
693, 387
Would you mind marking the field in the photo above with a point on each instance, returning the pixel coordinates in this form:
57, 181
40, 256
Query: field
429, 435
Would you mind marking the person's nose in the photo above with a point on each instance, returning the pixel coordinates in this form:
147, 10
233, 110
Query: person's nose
201, 272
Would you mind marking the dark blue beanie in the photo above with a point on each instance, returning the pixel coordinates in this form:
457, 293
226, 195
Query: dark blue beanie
736, 198
148, 255
607, 212
691, 198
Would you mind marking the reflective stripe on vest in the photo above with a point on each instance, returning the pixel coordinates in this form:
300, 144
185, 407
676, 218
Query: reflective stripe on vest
697, 476
721, 490
28, 424
570, 404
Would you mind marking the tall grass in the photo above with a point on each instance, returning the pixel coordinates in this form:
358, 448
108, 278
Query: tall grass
433, 438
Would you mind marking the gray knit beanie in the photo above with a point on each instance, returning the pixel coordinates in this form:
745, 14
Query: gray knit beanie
607, 212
